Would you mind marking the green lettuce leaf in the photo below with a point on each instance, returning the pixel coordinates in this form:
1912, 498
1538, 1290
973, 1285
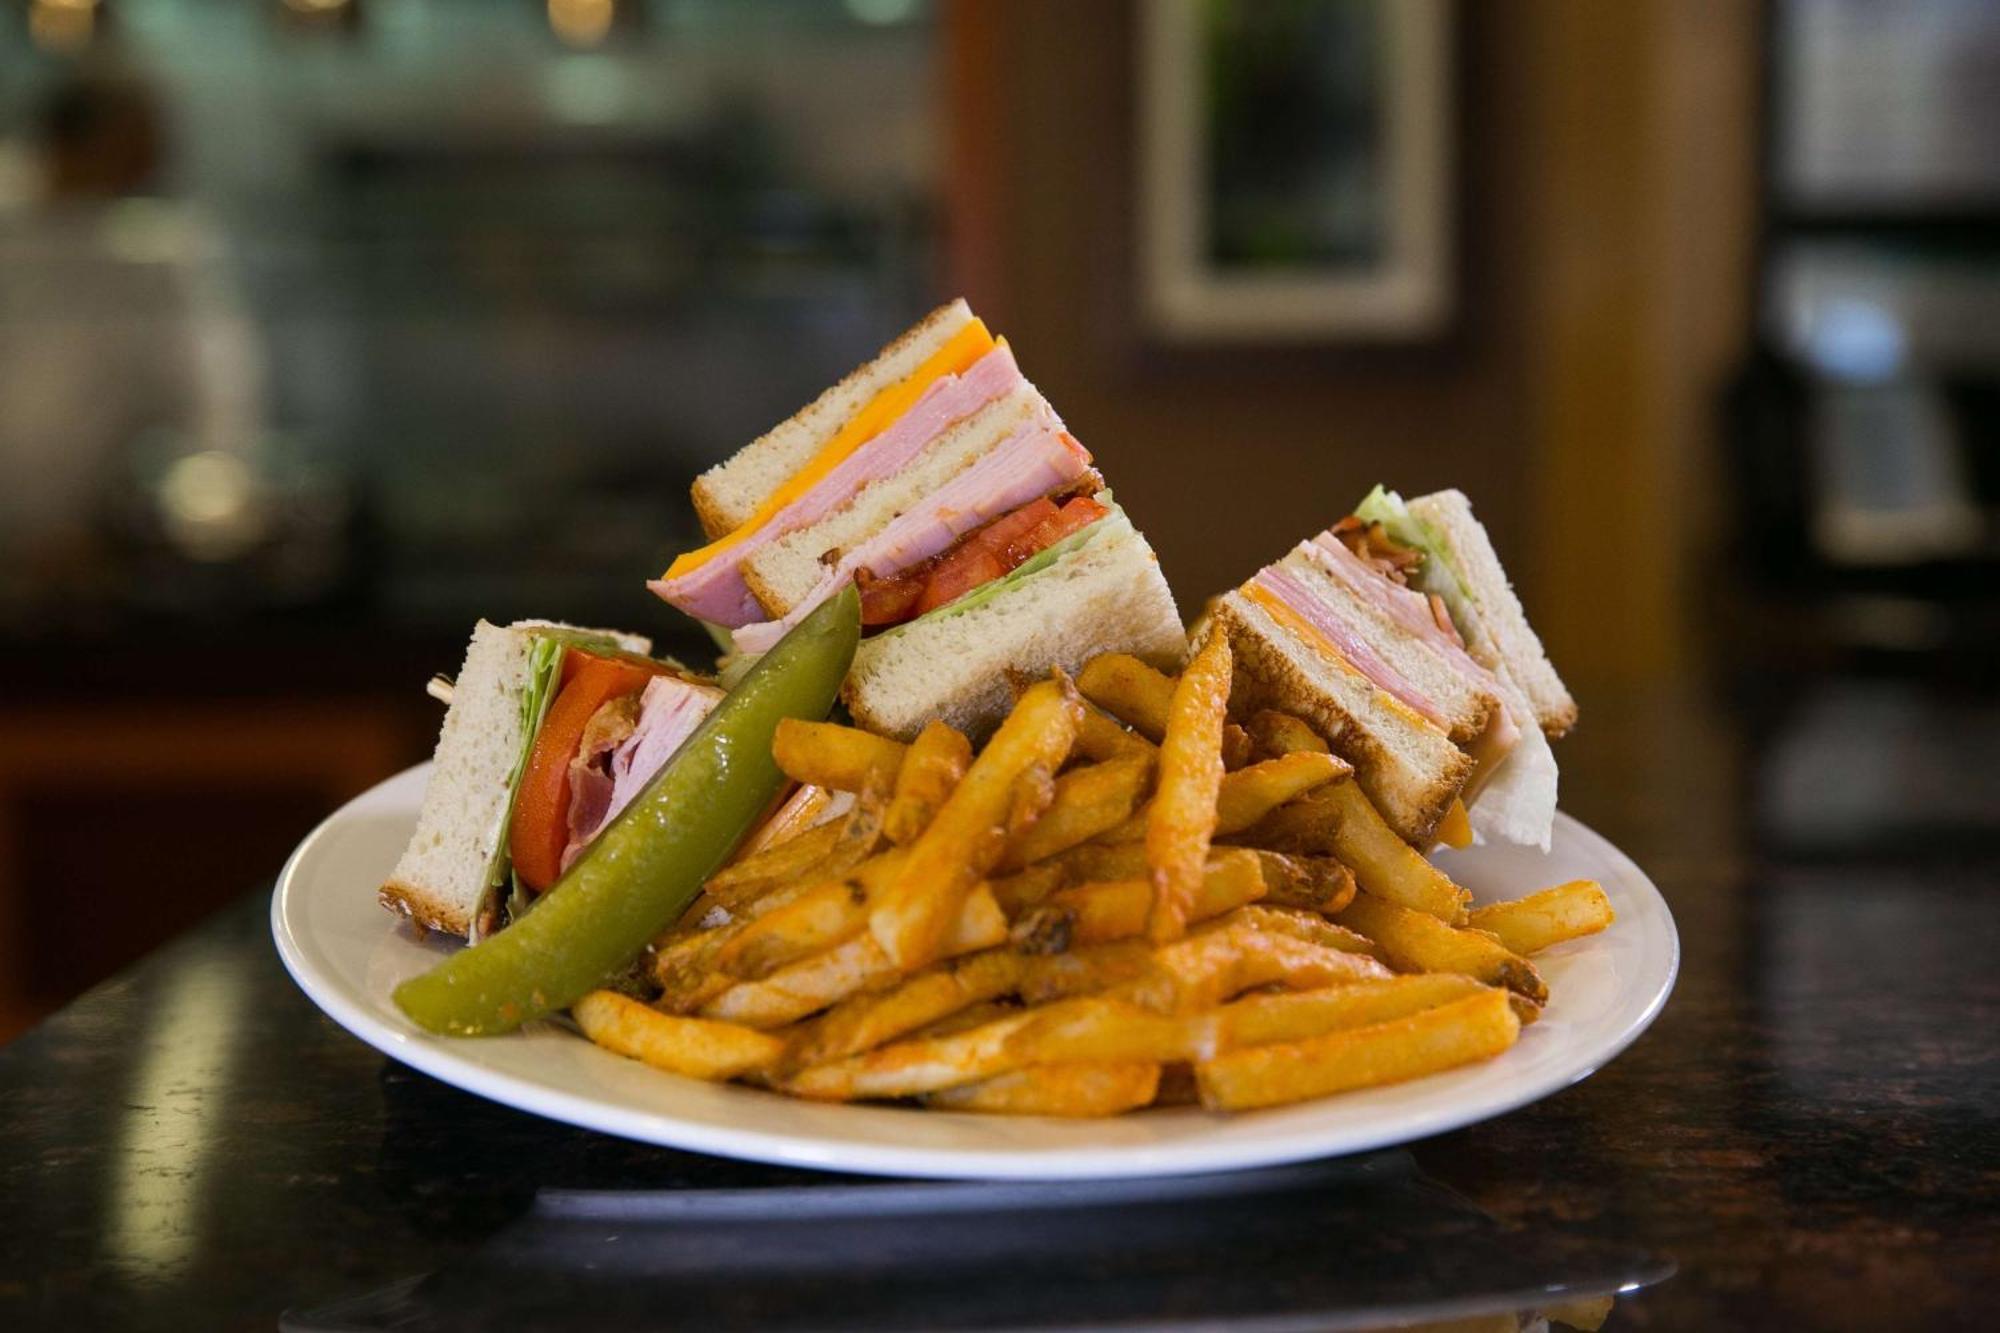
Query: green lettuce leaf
1439, 573
1027, 569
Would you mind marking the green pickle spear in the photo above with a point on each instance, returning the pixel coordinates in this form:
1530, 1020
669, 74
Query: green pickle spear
640, 874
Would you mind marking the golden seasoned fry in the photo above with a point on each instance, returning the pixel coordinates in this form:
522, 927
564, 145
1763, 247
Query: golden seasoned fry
1084, 971
863, 1022
794, 858
1236, 746
1316, 883
1087, 801
1476, 1027
1232, 956
1275, 734
1249, 794
1418, 942
1076, 1091
1025, 889
1309, 926
1262, 1020
1586, 1314
1531, 924
1455, 829
936, 760
841, 758
915, 1067
817, 919
691, 1046
825, 852
969, 833
1101, 736
1110, 1028
1103, 860
1181, 819
1343, 823
1129, 690
804, 809
857, 964
1117, 909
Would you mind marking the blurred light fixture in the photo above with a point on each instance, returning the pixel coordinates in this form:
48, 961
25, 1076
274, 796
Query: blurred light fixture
210, 506
582, 23
62, 25
321, 15
883, 13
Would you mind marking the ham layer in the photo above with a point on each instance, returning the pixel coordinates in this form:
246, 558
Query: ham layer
604, 783
716, 591
1037, 459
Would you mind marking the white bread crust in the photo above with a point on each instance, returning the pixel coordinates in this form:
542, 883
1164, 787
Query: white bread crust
440, 879
727, 494
1503, 633
1106, 596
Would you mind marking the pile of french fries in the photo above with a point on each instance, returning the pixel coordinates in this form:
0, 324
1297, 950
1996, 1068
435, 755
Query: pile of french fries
1124, 900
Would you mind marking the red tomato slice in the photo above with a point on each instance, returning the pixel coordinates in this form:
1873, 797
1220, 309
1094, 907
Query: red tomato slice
540, 830
1080, 512
1006, 536
965, 569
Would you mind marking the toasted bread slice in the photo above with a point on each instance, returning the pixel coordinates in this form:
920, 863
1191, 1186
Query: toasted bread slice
727, 494
1106, 595
1503, 634
1409, 767
441, 880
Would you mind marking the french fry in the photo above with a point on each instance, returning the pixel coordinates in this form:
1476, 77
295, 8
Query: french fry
1181, 819
1087, 801
1101, 736
1129, 690
1084, 971
802, 810
1386, 866
1586, 1314
935, 762
1117, 909
969, 833
1531, 924
1249, 794
1262, 1020
1232, 956
1309, 926
1316, 883
915, 1067
1024, 890
863, 1022
857, 964
1476, 1027
1103, 860
1274, 734
1236, 746
691, 1046
824, 852
817, 919
1075, 1091
1419, 942
829, 755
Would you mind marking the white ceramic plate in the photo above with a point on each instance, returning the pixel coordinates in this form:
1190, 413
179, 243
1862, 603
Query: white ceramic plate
348, 954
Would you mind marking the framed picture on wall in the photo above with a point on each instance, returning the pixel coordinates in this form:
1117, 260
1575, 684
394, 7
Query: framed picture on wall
1295, 174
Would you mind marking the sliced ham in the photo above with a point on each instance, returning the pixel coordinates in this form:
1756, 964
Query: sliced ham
1406, 607
668, 712
1298, 595
715, 591
1038, 459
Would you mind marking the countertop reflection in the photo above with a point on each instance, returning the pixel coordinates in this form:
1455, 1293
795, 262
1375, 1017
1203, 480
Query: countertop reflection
1807, 1138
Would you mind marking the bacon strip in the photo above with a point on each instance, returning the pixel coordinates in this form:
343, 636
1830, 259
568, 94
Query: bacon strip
716, 592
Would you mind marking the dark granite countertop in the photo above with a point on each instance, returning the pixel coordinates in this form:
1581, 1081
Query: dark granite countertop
1808, 1138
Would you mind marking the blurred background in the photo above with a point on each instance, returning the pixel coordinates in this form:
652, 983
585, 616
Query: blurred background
327, 326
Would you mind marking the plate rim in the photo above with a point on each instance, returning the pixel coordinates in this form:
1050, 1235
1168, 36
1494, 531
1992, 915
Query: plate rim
435, 1056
